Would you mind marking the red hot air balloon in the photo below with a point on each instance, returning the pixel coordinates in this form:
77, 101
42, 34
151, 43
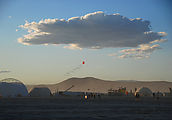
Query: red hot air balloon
83, 62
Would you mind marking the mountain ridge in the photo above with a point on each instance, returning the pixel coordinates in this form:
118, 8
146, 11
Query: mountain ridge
91, 84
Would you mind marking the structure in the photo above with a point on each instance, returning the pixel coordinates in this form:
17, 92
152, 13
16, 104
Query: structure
144, 91
64, 92
12, 88
122, 91
40, 92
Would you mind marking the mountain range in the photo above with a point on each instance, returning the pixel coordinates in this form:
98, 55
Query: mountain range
91, 84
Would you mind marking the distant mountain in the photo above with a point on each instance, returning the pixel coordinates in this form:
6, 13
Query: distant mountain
97, 85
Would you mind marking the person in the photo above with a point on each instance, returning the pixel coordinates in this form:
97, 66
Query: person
137, 96
157, 95
126, 93
99, 96
153, 95
94, 96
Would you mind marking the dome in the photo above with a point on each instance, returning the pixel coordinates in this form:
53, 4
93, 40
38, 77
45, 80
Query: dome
40, 92
12, 88
144, 91
10, 80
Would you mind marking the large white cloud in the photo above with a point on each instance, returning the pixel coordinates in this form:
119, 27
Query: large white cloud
94, 31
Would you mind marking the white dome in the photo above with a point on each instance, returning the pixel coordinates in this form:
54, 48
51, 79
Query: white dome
144, 91
12, 88
40, 92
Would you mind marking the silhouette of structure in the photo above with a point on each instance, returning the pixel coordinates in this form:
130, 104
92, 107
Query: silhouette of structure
122, 91
63, 92
40, 92
144, 91
12, 88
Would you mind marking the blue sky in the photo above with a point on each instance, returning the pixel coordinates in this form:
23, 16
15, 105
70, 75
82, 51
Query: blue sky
35, 64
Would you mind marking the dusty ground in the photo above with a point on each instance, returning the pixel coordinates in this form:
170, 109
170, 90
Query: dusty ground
75, 108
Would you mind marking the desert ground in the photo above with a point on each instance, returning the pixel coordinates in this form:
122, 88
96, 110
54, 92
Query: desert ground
77, 108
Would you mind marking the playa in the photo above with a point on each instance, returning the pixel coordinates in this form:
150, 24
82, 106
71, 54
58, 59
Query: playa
75, 108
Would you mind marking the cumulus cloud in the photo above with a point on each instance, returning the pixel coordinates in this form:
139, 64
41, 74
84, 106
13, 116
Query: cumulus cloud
93, 31
73, 46
143, 51
4, 71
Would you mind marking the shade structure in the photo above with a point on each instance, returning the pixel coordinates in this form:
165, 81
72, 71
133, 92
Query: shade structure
11, 87
144, 91
40, 92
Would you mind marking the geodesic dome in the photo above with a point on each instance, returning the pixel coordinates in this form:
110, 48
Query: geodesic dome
40, 92
11, 87
144, 91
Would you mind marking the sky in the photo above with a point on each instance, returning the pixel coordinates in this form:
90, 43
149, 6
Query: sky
45, 42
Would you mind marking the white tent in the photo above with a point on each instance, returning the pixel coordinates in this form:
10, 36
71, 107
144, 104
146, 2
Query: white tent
144, 91
40, 92
12, 88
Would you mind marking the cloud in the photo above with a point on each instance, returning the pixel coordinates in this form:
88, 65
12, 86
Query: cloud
112, 54
93, 31
143, 51
9, 17
4, 71
73, 46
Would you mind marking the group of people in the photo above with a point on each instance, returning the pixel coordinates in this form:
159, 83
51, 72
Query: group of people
155, 96
91, 96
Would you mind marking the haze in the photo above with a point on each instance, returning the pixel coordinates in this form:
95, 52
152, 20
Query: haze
46, 42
